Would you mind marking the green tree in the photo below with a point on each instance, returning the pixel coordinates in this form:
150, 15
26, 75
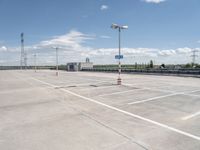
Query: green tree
189, 65
136, 65
151, 64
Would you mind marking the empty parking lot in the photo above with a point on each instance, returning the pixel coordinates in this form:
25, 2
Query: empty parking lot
88, 111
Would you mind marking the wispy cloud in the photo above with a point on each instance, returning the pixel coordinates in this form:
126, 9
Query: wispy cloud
184, 50
140, 55
105, 37
3, 48
72, 40
154, 1
198, 41
73, 47
104, 7
151, 52
170, 52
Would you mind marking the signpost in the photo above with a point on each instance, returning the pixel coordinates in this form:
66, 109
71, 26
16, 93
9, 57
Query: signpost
119, 56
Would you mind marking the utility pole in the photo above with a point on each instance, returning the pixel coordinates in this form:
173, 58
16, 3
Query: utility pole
56, 60
35, 62
194, 55
25, 60
22, 62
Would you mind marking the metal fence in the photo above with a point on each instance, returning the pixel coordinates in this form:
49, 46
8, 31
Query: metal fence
150, 71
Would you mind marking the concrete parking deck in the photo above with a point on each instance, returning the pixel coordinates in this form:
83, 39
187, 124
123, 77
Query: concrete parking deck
88, 111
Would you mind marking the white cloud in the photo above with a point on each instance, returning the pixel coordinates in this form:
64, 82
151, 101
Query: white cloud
105, 37
104, 7
75, 48
150, 52
197, 49
170, 52
71, 40
3, 48
154, 1
140, 55
184, 50
198, 41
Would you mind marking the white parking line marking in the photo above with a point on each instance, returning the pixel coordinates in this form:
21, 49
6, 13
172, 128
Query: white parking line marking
194, 91
127, 113
49, 84
191, 116
82, 84
153, 98
191, 95
121, 92
100, 87
151, 89
85, 78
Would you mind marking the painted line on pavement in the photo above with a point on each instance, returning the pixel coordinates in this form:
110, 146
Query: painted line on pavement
121, 92
191, 116
153, 98
126, 112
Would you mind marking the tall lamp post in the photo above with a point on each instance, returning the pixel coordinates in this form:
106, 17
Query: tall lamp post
115, 26
56, 60
35, 62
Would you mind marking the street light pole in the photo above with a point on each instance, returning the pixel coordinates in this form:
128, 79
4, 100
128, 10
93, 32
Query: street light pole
115, 26
56, 61
119, 80
35, 61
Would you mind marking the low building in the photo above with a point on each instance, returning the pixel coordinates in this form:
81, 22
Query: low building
73, 66
85, 65
78, 66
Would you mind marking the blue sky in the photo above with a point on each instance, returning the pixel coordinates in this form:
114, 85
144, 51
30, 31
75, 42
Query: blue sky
163, 30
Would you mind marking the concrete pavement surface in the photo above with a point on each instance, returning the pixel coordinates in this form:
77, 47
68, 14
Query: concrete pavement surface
88, 111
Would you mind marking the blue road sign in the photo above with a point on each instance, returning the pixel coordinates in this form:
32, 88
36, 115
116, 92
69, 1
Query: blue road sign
118, 56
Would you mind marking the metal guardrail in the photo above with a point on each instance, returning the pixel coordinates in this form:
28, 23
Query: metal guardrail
27, 67
150, 71
154, 71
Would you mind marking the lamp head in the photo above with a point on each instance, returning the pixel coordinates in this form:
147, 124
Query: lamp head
114, 26
124, 27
